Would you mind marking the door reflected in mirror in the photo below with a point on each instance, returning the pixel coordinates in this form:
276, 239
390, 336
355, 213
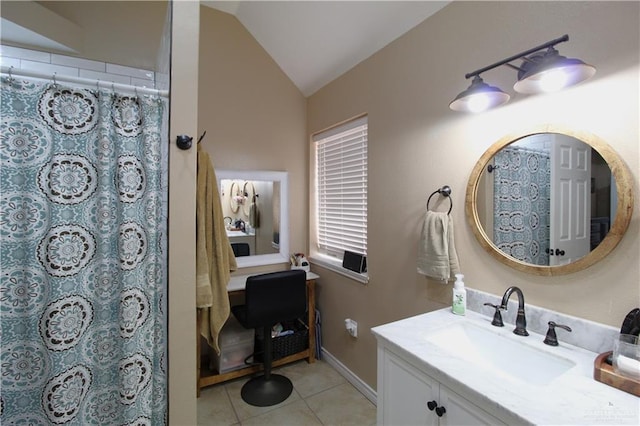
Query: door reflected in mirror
548, 199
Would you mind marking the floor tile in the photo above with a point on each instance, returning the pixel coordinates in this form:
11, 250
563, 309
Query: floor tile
310, 379
342, 405
214, 407
321, 396
294, 414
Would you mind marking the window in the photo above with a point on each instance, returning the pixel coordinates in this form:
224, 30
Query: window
341, 189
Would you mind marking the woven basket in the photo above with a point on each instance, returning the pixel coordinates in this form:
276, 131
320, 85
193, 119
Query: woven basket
286, 345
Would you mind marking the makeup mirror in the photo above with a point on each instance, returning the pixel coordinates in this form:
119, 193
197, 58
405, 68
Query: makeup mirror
255, 207
549, 201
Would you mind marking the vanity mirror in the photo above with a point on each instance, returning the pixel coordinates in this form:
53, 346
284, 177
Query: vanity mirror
549, 201
255, 206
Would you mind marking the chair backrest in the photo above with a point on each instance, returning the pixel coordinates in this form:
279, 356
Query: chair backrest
275, 296
241, 249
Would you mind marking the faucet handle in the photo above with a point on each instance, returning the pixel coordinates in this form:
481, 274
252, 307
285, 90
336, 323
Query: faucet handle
497, 316
551, 337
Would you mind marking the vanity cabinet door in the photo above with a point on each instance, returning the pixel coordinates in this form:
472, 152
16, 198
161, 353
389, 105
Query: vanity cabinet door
461, 412
403, 392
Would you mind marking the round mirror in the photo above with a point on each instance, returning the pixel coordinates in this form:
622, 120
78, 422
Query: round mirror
549, 201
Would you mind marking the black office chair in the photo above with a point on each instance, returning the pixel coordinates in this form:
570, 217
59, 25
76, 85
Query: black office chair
269, 299
240, 249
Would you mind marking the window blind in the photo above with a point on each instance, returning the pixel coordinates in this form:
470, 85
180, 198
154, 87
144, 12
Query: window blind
341, 189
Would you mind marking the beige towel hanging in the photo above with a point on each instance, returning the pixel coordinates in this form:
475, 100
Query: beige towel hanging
254, 214
437, 257
214, 256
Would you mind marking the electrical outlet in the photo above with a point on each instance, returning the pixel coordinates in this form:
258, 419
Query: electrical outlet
351, 326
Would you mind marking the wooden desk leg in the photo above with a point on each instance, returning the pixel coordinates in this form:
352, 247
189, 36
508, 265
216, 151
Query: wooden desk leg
198, 357
311, 304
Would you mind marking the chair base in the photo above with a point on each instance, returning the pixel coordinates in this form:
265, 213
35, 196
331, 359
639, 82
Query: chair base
263, 392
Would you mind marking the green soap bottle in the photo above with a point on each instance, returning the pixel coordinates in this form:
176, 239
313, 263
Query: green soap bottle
459, 305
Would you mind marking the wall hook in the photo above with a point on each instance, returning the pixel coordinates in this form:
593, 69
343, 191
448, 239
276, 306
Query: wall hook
202, 136
184, 142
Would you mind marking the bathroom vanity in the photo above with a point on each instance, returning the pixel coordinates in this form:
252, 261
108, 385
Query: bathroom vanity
442, 369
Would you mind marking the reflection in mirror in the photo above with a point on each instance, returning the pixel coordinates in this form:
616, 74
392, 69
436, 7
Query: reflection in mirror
548, 199
255, 215
549, 202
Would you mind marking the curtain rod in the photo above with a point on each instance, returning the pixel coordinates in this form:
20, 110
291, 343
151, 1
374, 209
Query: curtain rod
19, 72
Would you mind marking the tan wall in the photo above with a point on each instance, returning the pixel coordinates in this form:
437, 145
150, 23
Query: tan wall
125, 32
416, 145
253, 114
182, 217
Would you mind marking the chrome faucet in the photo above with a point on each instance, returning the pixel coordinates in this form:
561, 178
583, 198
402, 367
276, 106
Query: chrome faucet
521, 320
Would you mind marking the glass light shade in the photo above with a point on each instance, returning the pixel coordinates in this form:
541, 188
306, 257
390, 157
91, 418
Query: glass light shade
551, 72
479, 97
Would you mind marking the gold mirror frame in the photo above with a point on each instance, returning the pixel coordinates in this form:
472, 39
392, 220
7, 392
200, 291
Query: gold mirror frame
624, 187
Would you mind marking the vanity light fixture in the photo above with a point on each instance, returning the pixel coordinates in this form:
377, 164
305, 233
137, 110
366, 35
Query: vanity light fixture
542, 70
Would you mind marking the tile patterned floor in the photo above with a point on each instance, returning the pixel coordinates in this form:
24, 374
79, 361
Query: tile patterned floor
321, 396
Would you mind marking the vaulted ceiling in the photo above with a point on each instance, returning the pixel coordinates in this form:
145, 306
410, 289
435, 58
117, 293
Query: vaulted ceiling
314, 42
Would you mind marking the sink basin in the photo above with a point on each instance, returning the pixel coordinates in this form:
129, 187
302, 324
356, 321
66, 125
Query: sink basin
502, 354
232, 234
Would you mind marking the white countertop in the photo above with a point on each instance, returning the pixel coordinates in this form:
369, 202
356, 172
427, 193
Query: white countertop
573, 398
232, 234
239, 282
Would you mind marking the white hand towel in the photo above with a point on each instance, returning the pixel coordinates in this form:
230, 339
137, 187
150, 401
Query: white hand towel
437, 257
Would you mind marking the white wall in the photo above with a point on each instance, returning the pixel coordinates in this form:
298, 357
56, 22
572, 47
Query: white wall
53, 63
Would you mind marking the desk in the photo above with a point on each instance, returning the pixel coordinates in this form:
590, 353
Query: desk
237, 285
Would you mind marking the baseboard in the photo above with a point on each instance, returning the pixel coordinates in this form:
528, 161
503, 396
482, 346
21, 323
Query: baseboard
364, 388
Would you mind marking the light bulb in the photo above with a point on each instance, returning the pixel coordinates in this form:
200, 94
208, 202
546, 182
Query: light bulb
553, 80
479, 102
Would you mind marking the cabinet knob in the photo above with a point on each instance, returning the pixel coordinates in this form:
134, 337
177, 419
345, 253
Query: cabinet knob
440, 411
432, 405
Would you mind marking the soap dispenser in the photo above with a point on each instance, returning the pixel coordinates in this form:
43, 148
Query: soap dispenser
459, 306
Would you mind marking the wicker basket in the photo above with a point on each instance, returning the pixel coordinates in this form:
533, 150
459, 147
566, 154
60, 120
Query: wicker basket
285, 345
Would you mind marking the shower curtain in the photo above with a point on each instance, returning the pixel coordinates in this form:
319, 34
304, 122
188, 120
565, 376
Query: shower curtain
522, 204
82, 245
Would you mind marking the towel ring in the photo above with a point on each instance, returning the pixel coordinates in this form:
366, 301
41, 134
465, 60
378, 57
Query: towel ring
445, 191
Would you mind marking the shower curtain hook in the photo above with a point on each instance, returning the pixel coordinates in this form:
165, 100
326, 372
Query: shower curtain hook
55, 83
10, 71
98, 85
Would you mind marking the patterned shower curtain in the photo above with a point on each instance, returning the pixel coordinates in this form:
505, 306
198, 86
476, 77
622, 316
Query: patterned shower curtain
522, 204
82, 233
